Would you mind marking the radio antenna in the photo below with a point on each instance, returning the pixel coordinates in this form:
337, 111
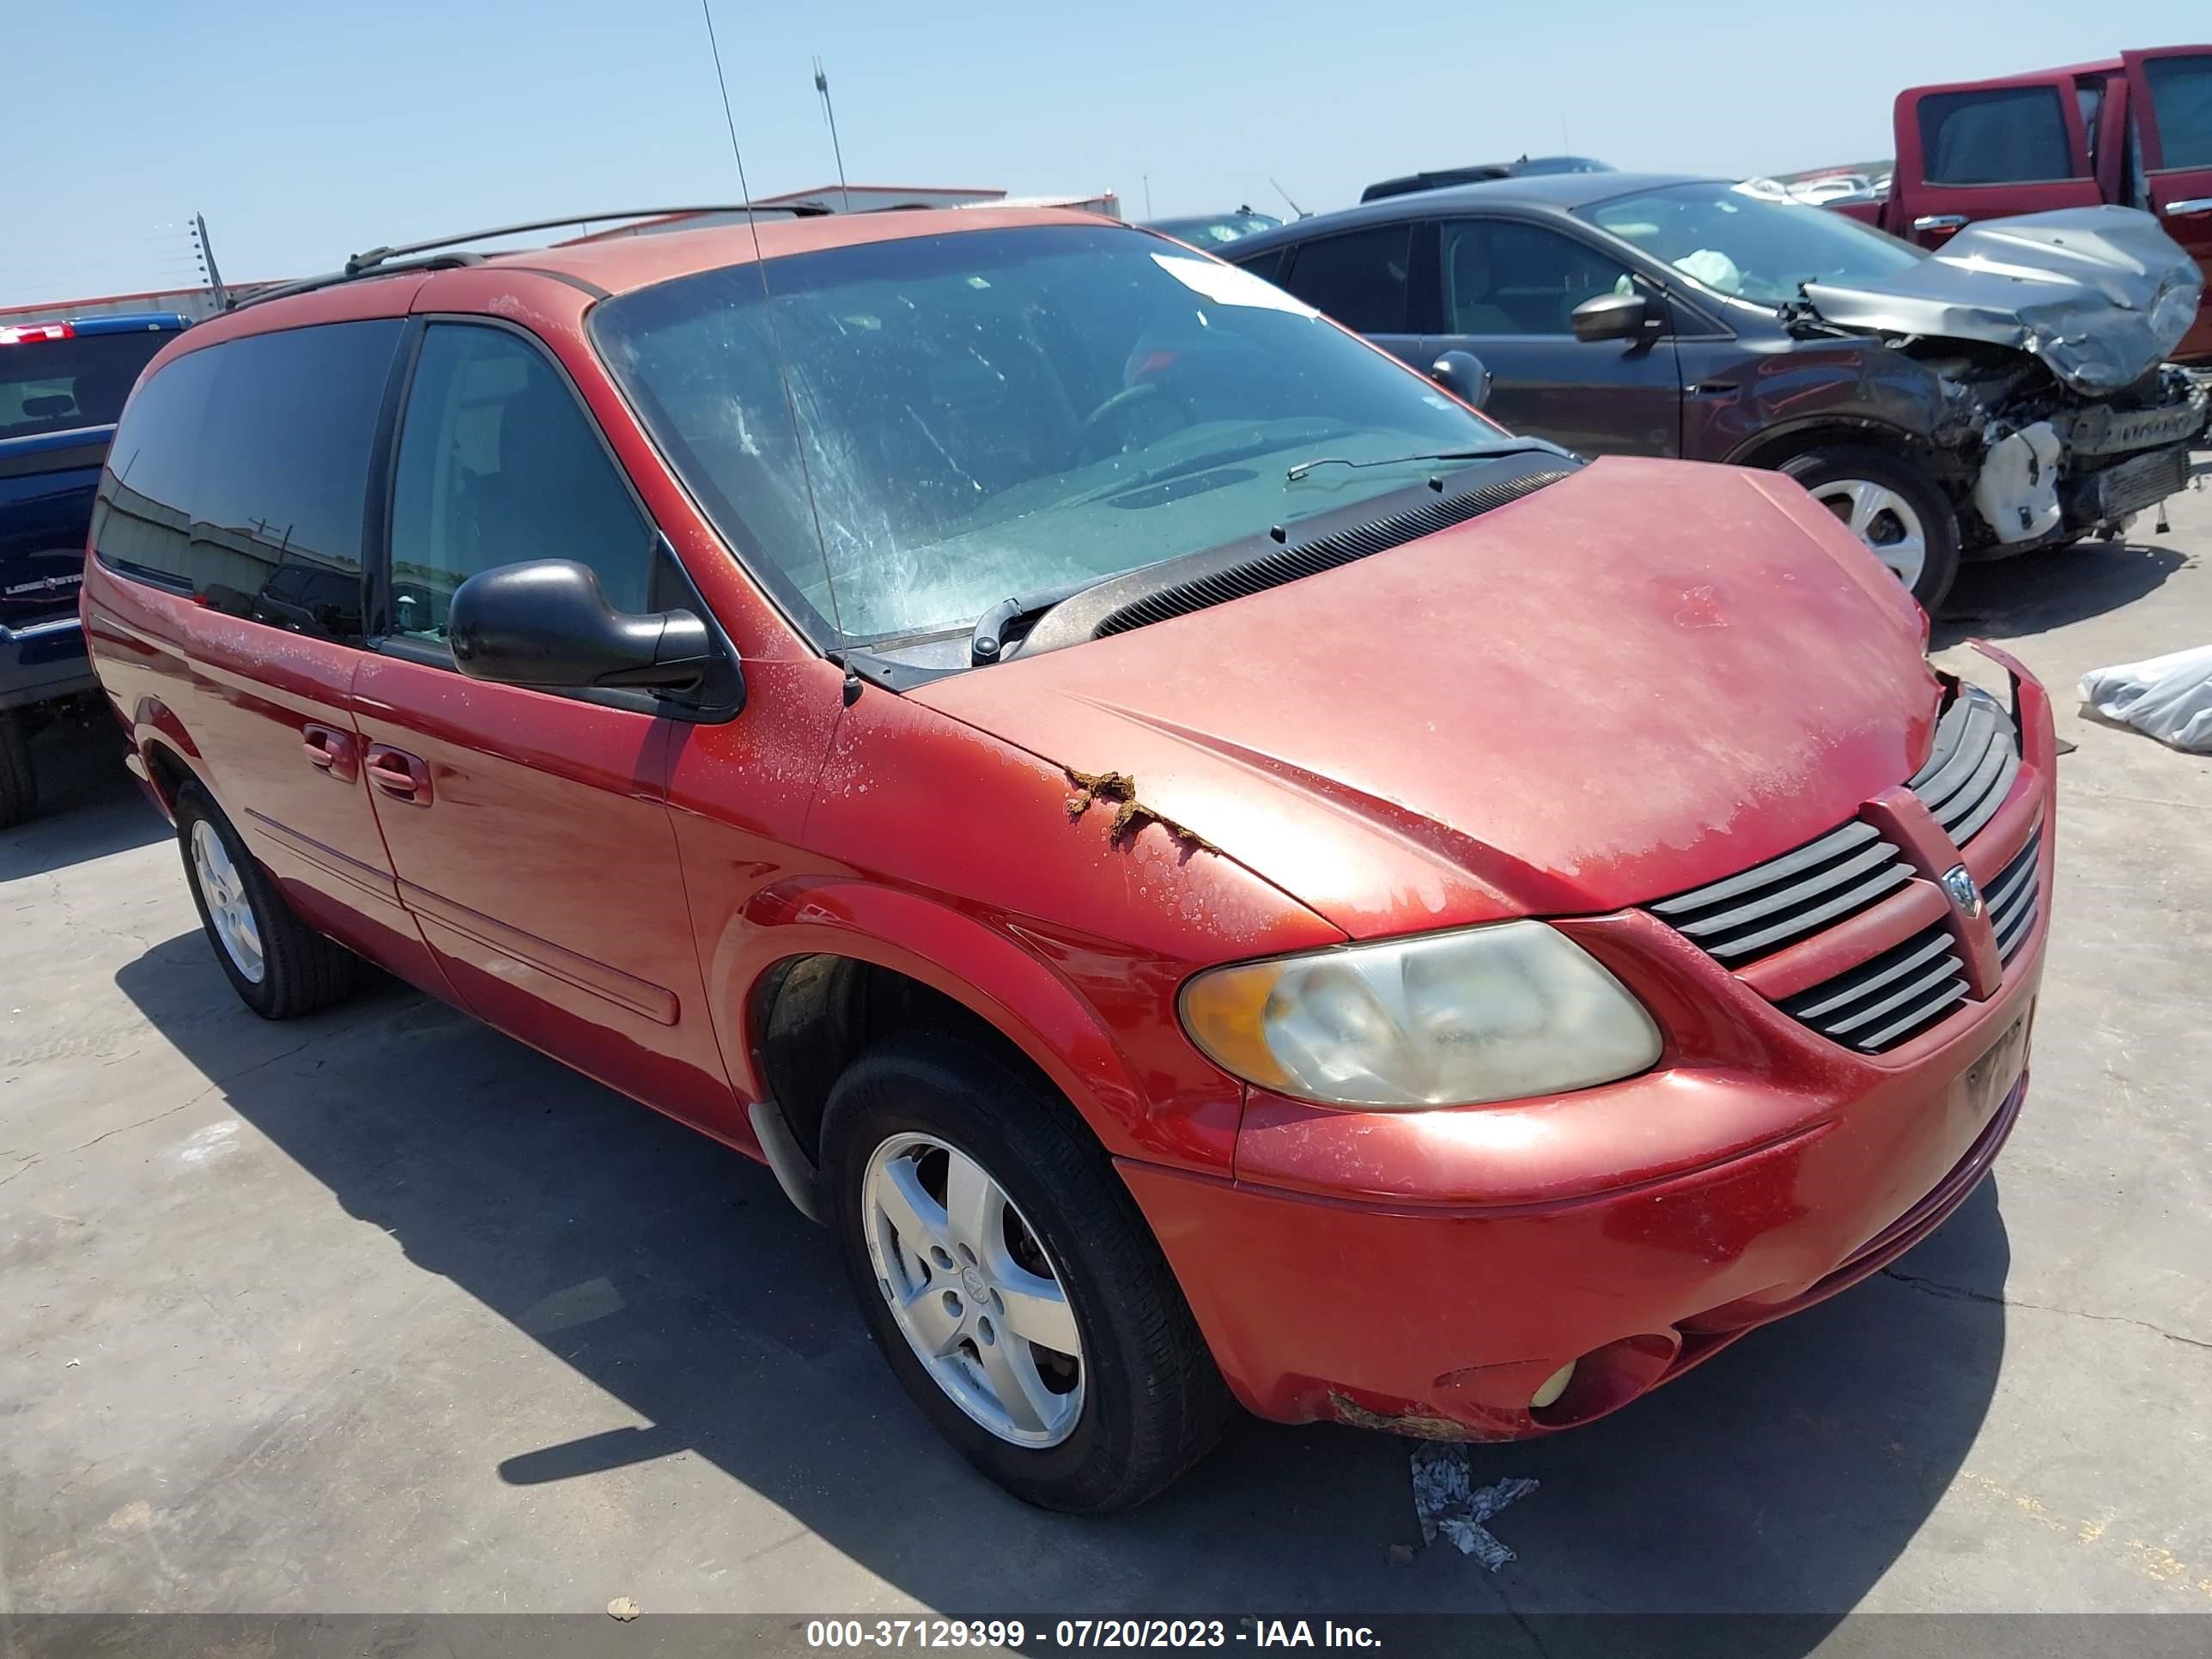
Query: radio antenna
829, 114
730, 121
768, 319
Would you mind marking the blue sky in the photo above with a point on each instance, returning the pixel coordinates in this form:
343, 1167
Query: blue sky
308, 129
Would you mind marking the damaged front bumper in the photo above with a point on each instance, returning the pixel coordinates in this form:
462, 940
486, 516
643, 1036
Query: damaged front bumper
2074, 471
2102, 430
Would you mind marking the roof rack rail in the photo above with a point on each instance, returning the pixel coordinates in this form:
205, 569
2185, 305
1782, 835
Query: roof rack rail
361, 262
380, 261
333, 278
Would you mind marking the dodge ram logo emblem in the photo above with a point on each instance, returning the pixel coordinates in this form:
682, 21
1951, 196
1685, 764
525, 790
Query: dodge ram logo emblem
1965, 898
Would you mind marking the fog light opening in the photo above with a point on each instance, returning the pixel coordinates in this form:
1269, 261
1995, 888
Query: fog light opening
1552, 1386
1604, 1379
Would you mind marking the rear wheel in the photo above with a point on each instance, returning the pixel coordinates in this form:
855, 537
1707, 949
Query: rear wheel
280, 967
1008, 1278
19, 785
1896, 511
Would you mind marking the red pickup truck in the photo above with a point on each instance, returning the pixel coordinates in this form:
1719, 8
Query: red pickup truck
2135, 130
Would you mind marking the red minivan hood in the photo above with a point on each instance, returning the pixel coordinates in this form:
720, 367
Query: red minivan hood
1645, 676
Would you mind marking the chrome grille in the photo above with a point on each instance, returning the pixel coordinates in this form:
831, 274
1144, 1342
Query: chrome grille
2012, 899
1745, 916
1882, 1001
1970, 769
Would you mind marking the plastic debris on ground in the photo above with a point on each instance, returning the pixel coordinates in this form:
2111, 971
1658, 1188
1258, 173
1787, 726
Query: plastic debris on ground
2168, 697
1446, 1500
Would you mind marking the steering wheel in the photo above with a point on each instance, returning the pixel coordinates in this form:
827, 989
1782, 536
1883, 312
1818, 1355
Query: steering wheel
1128, 397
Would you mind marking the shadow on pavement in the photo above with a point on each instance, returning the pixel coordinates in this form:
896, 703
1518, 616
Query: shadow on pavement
1785, 1475
2037, 591
88, 805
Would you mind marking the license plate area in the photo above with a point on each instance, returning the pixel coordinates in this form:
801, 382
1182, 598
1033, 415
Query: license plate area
1986, 1083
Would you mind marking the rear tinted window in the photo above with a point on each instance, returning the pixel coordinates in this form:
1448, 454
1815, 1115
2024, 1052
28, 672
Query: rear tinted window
54, 385
2181, 99
2013, 135
1359, 278
241, 475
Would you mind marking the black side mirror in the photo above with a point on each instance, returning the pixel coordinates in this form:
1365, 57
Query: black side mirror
1613, 317
1463, 375
545, 623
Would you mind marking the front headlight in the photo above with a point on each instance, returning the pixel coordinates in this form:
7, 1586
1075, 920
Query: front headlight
1486, 1013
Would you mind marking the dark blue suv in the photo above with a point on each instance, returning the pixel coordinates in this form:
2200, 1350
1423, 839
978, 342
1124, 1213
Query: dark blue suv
61, 386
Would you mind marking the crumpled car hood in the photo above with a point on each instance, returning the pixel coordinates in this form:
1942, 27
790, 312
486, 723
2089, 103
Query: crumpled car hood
1640, 679
2101, 295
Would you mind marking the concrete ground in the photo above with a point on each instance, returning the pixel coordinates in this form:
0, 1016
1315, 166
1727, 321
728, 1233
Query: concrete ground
381, 1311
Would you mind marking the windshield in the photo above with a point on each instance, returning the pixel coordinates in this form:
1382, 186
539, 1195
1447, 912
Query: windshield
987, 413
1750, 245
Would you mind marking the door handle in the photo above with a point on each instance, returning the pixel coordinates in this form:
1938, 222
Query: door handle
2194, 204
401, 775
335, 752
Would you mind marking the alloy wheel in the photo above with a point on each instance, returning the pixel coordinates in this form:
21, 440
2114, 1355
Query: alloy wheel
230, 912
970, 1286
1881, 518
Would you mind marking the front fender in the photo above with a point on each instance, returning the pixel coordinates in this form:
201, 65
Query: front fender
1849, 385
927, 847
996, 974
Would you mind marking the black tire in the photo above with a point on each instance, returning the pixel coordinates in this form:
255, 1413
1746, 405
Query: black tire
1153, 1404
1940, 521
301, 971
19, 785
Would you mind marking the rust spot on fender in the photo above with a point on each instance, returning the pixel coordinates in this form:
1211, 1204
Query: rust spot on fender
1130, 815
1418, 1425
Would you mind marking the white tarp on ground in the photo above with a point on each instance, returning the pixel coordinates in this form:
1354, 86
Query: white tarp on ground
2168, 697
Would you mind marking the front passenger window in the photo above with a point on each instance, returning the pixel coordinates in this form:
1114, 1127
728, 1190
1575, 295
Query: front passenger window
1505, 277
498, 464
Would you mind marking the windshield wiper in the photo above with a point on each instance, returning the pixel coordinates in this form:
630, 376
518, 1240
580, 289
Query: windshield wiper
987, 644
1204, 462
1524, 447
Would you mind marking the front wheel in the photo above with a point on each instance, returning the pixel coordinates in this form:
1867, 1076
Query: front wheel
1008, 1278
1896, 511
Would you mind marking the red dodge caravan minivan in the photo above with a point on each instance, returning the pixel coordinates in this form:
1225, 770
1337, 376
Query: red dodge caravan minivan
1217, 873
